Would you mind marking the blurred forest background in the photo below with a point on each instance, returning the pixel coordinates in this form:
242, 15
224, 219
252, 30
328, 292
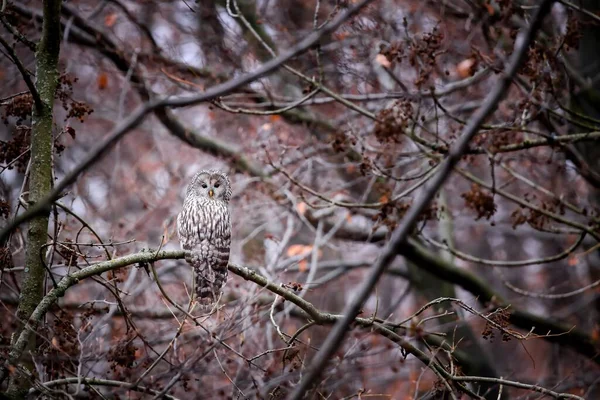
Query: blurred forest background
333, 119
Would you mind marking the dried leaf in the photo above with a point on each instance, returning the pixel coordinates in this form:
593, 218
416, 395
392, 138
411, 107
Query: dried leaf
383, 61
466, 68
102, 81
298, 249
110, 20
341, 35
71, 131
596, 334
572, 261
138, 353
302, 266
301, 208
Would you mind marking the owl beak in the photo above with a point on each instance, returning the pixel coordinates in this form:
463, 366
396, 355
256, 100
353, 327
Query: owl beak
211, 193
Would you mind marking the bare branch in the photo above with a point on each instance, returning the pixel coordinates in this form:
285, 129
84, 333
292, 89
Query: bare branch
334, 339
139, 115
79, 380
24, 73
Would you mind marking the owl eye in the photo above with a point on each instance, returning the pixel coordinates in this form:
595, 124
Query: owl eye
204, 185
217, 185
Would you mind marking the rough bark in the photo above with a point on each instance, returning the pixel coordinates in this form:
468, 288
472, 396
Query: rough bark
40, 180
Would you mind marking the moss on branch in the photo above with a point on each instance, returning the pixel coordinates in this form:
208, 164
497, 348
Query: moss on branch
40, 181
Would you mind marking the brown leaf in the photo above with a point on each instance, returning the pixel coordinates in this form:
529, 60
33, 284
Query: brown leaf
110, 20
383, 61
596, 334
298, 249
102, 81
466, 68
71, 131
572, 261
302, 266
301, 208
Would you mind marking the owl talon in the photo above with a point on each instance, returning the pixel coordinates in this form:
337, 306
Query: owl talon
193, 258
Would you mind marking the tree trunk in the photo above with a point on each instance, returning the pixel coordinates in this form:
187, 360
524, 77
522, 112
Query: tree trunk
40, 181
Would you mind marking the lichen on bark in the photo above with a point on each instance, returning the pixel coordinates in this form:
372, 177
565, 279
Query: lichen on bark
40, 182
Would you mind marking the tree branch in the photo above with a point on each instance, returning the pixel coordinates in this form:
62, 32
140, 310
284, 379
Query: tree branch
138, 115
100, 42
336, 336
34, 93
100, 382
414, 251
392, 331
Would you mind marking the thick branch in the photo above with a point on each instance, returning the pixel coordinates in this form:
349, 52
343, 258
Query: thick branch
138, 115
59, 291
335, 338
387, 329
103, 44
414, 251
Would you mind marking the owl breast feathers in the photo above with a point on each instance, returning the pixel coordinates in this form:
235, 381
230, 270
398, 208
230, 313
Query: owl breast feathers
204, 228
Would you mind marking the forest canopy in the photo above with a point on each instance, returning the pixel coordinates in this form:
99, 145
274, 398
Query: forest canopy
415, 198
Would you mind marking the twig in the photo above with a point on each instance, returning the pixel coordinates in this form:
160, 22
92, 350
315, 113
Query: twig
387, 329
335, 337
550, 296
557, 217
512, 264
166, 350
140, 113
227, 375
37, 100
520, 385
101, 382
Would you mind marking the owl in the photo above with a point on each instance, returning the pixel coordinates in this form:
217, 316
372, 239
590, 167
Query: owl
204, 228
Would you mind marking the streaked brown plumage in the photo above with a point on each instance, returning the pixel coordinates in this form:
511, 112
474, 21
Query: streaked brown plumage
204, 227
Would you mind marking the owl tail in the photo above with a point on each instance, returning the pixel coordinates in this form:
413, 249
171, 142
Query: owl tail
209, 290
206, 296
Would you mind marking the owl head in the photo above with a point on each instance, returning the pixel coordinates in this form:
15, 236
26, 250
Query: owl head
211, 184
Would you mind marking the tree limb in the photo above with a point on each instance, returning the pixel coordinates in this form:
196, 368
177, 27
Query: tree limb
387, 329
336, 336
24, 73
138, 115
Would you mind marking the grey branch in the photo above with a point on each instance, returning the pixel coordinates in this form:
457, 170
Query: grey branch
138, 115
390, 330
101, 382
336, 336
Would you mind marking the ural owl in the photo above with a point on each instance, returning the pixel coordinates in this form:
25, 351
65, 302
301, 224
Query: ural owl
204, 228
